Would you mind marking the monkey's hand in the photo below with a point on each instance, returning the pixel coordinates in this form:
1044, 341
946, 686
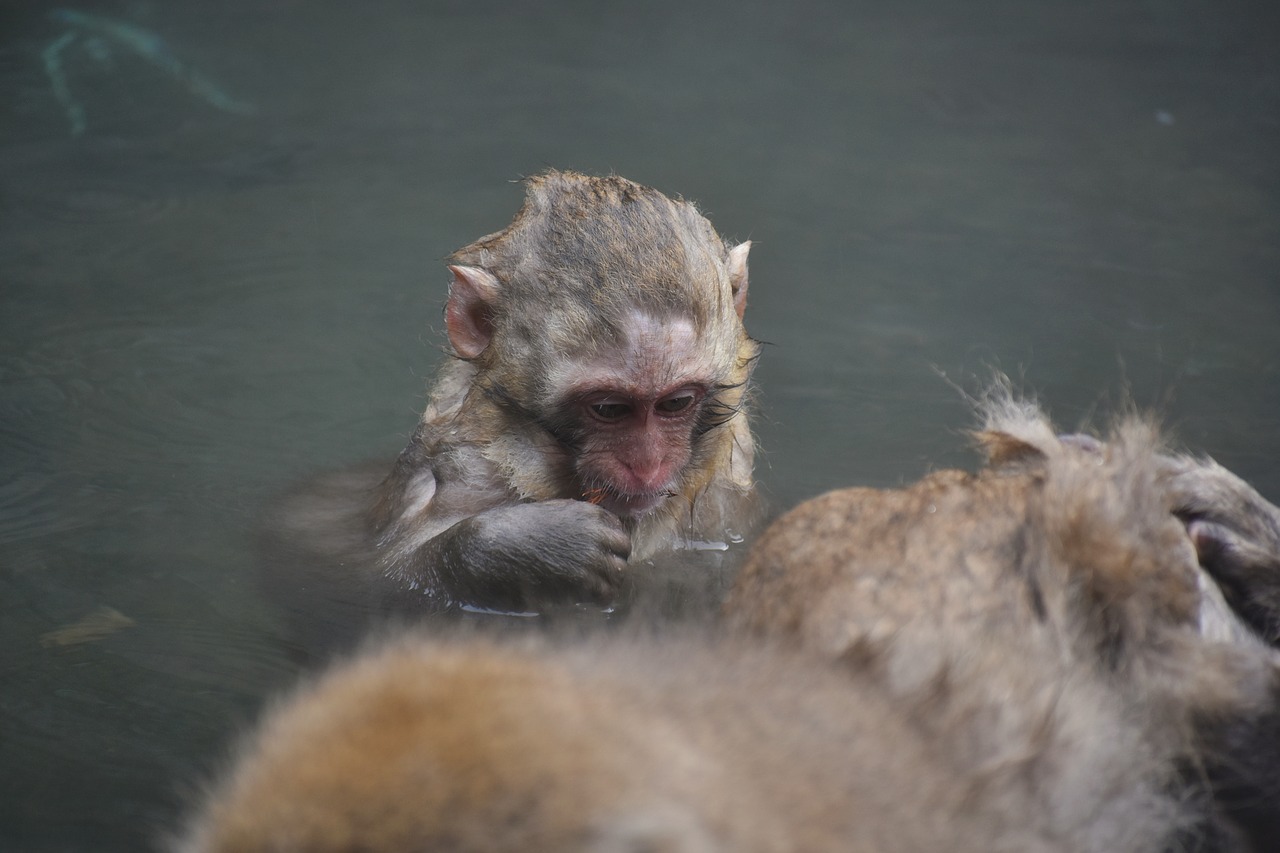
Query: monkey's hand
528, 556
1236, 533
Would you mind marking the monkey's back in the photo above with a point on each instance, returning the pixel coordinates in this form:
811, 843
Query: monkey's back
678, 744
1041, 619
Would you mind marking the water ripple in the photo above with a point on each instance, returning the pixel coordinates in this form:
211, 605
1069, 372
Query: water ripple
72, 199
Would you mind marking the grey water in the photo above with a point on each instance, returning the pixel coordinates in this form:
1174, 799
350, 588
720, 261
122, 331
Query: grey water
201, 305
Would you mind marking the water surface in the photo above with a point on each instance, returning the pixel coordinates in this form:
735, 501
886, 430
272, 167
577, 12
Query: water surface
200, 305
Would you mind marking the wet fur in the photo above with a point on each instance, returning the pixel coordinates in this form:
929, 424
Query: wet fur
1029, 658
614, 246
1050, 611
580, 257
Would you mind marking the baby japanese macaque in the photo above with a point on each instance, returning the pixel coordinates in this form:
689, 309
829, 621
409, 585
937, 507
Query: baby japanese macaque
1030, 658
592, 416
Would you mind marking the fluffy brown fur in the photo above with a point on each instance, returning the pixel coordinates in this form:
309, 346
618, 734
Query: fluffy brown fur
681, 744
1053, 610
1029, 658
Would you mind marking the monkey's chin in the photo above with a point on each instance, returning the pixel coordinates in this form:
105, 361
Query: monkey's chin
634, 506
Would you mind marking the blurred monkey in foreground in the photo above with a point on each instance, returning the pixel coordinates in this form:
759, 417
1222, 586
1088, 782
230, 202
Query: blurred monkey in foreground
593, 415
1030, 658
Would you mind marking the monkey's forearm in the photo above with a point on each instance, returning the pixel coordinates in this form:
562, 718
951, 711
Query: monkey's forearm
522, 557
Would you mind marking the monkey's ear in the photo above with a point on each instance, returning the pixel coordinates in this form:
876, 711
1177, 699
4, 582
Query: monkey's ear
738, 276
468, 315
1004, 448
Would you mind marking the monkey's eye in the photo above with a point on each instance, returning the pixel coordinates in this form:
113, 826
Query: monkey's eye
675, 405
610, 411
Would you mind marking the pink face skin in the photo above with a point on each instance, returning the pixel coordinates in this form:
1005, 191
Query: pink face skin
638, 404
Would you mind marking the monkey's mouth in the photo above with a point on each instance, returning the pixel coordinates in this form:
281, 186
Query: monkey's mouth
624, 504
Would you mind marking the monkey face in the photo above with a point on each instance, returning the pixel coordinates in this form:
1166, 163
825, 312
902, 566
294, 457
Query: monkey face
632, 412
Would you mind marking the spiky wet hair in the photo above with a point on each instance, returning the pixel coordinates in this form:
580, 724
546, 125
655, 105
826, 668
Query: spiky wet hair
585, 251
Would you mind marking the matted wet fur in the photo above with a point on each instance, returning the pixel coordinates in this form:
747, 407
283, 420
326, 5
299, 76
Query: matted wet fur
1029, 658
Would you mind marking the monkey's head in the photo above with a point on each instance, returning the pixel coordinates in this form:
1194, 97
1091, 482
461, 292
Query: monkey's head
605, 327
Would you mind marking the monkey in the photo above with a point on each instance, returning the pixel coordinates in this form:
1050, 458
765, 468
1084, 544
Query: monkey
1140, 583
654, 742
1032, 657
592, 415
661, 743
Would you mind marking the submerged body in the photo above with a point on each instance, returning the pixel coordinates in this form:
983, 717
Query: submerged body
1037, 657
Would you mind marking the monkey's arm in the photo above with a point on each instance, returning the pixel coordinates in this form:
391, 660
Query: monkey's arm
1237, 537
521, 556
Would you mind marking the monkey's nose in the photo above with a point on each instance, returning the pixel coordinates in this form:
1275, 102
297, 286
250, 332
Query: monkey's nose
649, 475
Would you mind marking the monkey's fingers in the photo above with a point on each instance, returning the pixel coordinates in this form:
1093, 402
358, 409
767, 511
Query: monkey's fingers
604, 576
1227, 555
1248, 574
595, 581
1203, 491
617, 542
